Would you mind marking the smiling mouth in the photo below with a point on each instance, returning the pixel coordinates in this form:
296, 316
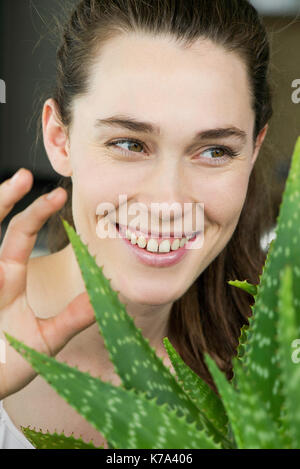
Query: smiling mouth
158, 245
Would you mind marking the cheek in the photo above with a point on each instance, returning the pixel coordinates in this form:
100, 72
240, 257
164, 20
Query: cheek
224, 198
96, 182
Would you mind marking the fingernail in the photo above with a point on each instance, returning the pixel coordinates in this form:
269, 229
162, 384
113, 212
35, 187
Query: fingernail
52, 194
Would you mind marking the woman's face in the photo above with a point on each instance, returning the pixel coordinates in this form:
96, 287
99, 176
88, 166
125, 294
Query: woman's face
184, 92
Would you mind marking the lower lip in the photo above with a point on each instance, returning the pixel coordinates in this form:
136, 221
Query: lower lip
156, 259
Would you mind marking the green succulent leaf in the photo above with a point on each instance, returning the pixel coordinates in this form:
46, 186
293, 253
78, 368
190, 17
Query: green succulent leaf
247, 287
252, 424
261, 350
230, 398
288, 332
240, 353
134, 360
127, 419
242, 342
55, 441
204, 397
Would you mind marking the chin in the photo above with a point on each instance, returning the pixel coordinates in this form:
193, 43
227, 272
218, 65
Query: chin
150, 297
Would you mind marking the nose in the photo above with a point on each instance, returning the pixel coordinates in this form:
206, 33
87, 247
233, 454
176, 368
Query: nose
165, 183
165, 193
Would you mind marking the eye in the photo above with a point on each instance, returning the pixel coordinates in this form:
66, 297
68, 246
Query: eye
217, 152
134, 145
220, 154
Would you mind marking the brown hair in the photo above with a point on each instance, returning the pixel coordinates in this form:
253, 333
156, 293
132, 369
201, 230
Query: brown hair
209, 316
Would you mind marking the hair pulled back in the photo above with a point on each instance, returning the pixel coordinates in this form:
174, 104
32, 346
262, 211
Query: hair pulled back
209, 316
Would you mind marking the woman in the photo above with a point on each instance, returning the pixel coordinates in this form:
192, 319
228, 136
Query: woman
166, 102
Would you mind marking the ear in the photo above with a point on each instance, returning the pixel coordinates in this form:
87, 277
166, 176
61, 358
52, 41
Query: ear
259, 141
56, 139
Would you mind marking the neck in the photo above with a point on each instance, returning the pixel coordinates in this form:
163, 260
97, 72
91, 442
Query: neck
151, 319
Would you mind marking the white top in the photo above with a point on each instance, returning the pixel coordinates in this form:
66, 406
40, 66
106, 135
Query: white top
10, 435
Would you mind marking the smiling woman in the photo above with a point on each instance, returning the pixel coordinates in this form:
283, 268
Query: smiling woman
166, 102
187, 90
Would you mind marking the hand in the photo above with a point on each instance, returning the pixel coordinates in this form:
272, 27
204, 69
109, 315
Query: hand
17, 318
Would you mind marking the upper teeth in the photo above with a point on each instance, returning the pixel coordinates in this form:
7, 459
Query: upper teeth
153, 245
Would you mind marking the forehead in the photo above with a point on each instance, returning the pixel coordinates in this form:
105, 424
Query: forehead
155, 76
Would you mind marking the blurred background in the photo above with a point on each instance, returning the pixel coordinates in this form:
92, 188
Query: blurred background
27, 66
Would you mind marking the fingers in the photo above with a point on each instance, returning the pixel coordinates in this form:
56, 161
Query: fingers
77, 316
12, 190
23, 229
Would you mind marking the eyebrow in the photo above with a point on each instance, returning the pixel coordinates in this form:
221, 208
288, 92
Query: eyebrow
130, 123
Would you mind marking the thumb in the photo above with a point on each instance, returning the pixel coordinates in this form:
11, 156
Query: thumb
77, 316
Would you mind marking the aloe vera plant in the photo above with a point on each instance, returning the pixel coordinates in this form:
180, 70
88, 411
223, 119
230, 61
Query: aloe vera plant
258, 408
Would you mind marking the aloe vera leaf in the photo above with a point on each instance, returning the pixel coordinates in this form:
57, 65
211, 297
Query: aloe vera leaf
287, 333
242, 342
249, 418
240, 352
252, 290
229, 398
247, 287
204, 397
127, 419
134, 360
261, 431
261, 355
55, 441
